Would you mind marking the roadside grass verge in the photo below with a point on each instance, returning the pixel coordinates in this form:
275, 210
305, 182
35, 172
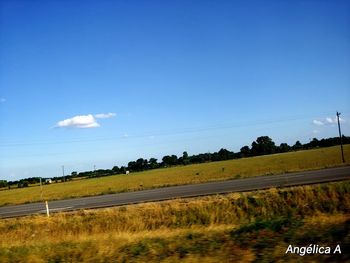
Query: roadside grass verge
241, 227
179, 175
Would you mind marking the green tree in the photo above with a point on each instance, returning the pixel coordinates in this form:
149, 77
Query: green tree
152, 163
166, 160
284, 147
245, 151
185, 158
297, 146
116, 170
132, 166
263, 145
3, 183
169, 160
225, 154
141, 164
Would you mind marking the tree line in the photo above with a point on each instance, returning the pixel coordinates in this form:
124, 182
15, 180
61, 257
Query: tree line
263, 145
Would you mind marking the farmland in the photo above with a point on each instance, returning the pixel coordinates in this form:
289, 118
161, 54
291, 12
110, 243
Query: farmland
244, 227
196, 173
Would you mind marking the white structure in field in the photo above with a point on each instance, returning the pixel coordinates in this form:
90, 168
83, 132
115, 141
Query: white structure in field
48, 181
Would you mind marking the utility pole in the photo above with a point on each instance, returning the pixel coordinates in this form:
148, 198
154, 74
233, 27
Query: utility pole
340, 136
63, 173
41, 190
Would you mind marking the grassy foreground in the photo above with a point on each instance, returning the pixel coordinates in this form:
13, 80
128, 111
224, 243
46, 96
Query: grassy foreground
245, 227
196, 173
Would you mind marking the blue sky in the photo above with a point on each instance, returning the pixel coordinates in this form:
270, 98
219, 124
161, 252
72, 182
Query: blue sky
86, 83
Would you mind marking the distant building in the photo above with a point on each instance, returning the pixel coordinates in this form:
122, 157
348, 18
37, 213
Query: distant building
48, 181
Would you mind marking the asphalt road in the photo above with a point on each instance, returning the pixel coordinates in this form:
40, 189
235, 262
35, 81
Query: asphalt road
238, 185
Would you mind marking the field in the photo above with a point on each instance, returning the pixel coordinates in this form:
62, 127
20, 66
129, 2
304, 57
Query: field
240, 227
224, 170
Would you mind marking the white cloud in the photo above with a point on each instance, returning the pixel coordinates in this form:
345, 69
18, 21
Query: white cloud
105, 115
81, 121
84, 121
330, 120
315, 131
334, 120
317, 122
2, 100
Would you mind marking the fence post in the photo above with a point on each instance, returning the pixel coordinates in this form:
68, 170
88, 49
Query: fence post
47, 209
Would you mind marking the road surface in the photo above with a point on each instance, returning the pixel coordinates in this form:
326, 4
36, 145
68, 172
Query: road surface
238, 185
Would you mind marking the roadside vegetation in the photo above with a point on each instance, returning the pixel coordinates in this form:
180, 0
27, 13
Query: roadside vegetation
179, 175
241, 227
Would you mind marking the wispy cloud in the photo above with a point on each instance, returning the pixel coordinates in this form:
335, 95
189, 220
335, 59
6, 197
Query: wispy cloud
328, 121
315, 131
80, 121
104, 115
2, 100
334, 120
317, 122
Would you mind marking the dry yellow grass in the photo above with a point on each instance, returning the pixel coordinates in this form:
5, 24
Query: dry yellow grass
239, 168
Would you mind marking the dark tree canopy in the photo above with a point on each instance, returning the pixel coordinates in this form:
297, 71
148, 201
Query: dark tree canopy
263, 145
245, 151
284, 147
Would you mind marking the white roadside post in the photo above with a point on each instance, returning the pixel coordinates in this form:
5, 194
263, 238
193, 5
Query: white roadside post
47, 209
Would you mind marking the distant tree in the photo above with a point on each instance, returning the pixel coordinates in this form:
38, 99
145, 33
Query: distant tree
199, 158
284, 147
141, 164
166, 160
314, 143
169, 160
132, 166
152, 163
185, 155
185, 158
3, 183
345, 139
115, 170
297, 146
207, 156
245, 151
173, 159
74, 174
122, 169
263, 145
23, 183
224, 154
215, 157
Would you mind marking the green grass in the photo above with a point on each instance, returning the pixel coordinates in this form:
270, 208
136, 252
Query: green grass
233, 169
241, 227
